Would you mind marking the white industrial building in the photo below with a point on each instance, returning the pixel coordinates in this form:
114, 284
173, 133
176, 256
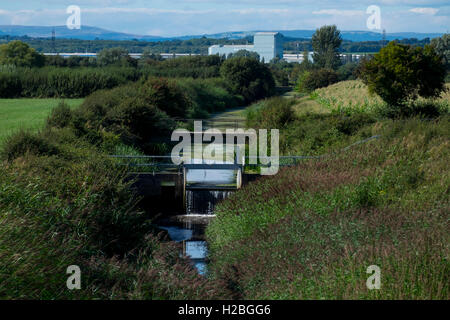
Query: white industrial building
268, 45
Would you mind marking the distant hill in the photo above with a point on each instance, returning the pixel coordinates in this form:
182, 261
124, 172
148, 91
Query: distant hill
85, 33
346, 35
92, 33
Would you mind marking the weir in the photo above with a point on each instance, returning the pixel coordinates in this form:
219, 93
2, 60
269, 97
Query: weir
190, 192
195, 187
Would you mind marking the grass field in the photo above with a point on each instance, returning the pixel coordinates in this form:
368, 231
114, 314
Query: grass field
18, 114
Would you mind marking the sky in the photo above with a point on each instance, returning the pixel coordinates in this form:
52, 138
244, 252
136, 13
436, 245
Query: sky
189, 17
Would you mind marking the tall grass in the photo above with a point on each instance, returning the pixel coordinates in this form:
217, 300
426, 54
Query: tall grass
62, 203
352, 97
52, 82
311, 231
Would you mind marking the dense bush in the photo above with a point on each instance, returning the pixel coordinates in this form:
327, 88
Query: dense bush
123, 111
60, 117
166, 95
399, 73
315, 79
347, 71
207, 96
137, 122
23, 143
419, 108
273, 113
248, 77
143, 114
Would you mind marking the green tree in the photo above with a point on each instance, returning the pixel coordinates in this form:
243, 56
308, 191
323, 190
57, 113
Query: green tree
442, 46
248, 77
299, 69
326, 42
115, 56
20, 54
244, 53
401, 72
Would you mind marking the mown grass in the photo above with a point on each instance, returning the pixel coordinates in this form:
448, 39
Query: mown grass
16, 114
311, 231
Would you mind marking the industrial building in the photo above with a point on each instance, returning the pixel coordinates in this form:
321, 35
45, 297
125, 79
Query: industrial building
268, 45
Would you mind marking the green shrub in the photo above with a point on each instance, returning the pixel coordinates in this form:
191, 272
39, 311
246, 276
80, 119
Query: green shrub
422, 108
319, 79
300, 85
248, 77
399, 73
165, 95
273, 113
347, 71
136, 121
350, 125
24, 142
60, 117
207, 96
10, 84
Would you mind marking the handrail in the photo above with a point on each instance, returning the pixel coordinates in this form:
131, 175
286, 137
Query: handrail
216, 166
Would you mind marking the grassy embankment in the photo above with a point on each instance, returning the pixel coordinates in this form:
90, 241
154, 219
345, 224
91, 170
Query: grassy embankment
312, 230
64, 202
16, 114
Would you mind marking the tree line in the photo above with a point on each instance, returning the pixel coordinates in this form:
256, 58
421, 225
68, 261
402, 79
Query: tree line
193, 46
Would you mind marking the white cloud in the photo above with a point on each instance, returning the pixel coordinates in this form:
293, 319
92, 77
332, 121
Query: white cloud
431, 11
336, 12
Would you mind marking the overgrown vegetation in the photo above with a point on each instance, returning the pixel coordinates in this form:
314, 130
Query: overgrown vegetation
58, 82
353, 96
62, 202
311, 231
248, 77
399, 73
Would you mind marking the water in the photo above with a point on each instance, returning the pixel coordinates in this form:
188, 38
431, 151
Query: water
200, 202
204, 189
190, 231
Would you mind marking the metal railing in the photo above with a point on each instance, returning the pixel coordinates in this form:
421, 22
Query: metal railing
143, 161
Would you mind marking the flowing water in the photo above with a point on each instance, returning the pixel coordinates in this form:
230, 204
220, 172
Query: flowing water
204, 189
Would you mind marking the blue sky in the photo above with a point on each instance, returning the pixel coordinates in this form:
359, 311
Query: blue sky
183, 17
